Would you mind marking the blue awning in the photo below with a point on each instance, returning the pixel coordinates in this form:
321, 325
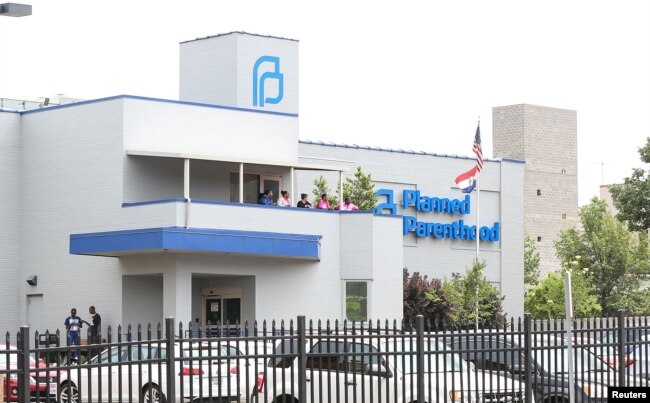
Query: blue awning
180, 239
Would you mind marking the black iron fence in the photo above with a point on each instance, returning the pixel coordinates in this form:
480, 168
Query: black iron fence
300, 361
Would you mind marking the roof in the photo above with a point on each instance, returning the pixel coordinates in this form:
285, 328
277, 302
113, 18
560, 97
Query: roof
238, 32
399, 150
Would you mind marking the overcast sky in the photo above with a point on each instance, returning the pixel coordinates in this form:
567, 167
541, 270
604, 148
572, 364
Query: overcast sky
402, 74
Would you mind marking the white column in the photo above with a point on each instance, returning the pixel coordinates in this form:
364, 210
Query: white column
186, 179
241, 182
177, 295
292, 190
186, 191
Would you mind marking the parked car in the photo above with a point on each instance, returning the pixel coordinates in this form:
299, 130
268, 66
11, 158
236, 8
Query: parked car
137, 372
368, 369
42, 381
637, 350
549, 365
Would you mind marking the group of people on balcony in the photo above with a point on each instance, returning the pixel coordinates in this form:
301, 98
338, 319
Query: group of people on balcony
284, 200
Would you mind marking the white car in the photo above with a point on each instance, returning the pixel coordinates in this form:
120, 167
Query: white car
137, 373
377, 369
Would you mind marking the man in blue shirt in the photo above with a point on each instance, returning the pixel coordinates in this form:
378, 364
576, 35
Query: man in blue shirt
73, 325
266, 199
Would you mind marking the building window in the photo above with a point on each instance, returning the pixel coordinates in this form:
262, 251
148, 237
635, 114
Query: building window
539, 239
356, 300
539, 192
251, 188
564, 216
564, 171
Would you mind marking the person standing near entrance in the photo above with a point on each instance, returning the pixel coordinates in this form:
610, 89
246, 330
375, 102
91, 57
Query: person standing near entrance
95, 326
73, 325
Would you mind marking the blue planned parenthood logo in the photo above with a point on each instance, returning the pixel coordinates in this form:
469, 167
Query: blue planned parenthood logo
260, 80
389, 205
450, 229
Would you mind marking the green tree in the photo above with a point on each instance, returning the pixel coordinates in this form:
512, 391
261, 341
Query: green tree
531, 262
546, 299
616, 258
320, 187
632, 198
465, 292
425, 297
360, 190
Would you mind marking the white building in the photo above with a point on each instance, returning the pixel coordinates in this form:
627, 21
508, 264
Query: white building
146, 208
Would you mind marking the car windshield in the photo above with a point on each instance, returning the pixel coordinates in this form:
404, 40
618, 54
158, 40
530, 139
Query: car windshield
556, 361
436, 359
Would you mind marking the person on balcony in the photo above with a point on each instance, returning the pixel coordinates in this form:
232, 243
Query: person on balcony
266, 198
323, 203
347, 205
304, 201
284, 200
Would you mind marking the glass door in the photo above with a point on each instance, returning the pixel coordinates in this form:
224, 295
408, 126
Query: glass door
273, 183
222, 314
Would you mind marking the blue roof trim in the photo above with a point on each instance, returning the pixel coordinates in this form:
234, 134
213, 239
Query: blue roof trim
392, 150
171, 101
200, 240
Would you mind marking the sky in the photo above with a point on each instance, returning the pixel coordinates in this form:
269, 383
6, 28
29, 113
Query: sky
414, 75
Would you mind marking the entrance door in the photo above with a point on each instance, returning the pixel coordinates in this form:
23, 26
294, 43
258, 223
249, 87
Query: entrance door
35, 313
222, 313
273, 183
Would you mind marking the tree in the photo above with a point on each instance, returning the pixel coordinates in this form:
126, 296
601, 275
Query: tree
616, 258
320, 187
360, 190
546, 299
465, 292
632, 198
425, 297
531, 262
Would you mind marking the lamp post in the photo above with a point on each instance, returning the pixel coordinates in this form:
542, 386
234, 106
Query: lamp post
15, 10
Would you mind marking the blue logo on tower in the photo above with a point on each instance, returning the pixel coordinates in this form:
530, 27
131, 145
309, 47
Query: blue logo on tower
265, 72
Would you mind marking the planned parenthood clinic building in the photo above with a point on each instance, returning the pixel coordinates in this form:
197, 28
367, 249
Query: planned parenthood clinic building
146, 208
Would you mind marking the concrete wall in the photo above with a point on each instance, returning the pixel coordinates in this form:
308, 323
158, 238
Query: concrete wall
154, 125
71, 183
219, 70
546, 138
434, 175
10, 216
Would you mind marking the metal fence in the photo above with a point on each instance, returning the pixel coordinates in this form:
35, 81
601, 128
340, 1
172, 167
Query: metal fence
300, 361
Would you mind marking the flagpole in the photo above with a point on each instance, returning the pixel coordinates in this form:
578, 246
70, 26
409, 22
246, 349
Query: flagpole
478, 212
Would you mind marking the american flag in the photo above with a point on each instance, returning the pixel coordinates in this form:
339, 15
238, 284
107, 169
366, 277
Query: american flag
477, 149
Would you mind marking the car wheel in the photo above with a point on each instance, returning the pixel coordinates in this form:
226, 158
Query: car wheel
152, 394
69, 393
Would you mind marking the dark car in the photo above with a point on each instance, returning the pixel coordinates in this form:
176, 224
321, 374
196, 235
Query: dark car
548, 370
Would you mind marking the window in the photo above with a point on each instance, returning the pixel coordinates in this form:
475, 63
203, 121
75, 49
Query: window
356, 300
327, 355
251, 188
539, 239
564, 216
539, 192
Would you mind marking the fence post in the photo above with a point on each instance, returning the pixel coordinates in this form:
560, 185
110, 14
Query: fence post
23, 365
419, 331
171, 360
528, 354
302, 359
621, 347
